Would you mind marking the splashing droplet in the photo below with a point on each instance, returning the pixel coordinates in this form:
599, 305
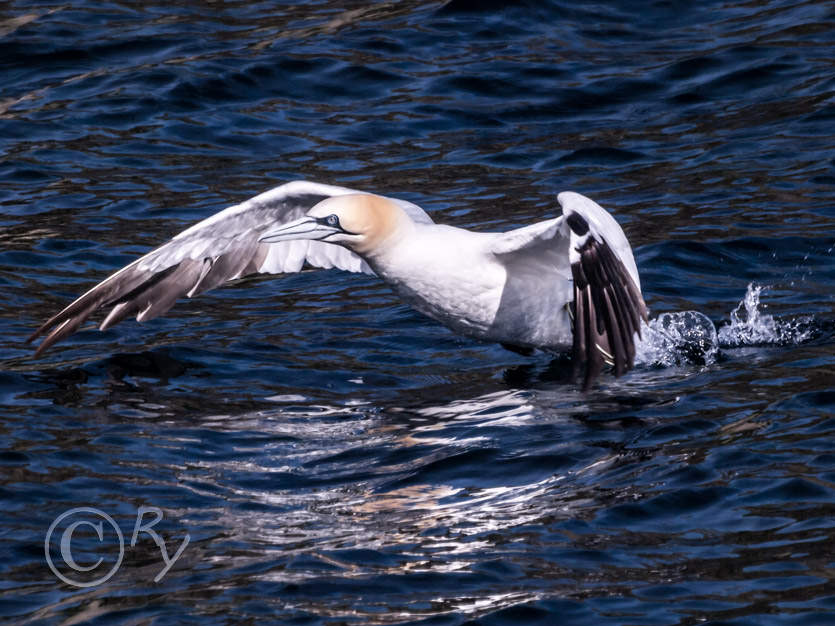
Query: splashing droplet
750, 326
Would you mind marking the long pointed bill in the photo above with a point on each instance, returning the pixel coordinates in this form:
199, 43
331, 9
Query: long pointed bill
304, 228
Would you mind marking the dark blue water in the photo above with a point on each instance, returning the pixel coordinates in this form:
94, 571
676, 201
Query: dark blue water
335, 457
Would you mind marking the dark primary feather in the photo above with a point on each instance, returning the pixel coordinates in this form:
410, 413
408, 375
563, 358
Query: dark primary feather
607, 309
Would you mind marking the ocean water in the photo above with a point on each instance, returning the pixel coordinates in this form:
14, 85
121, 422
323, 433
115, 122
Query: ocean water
306, 449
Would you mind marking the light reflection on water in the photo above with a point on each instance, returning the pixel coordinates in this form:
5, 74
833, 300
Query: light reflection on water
448, 528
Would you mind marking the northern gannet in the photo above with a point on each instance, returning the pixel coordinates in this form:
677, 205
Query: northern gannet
567, 283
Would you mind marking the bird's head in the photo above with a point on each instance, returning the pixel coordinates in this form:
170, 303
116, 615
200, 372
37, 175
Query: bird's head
359, 221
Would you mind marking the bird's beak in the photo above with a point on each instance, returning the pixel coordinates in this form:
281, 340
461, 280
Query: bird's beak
303, 228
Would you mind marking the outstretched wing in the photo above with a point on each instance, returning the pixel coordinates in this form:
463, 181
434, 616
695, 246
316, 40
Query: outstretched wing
586, 247
221, 248
608, 305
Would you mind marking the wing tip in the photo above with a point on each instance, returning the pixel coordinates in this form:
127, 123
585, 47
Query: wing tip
607, 309
38, 332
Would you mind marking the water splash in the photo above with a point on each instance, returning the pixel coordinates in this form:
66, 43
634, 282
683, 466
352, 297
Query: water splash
682, 338
690, 338
749, 325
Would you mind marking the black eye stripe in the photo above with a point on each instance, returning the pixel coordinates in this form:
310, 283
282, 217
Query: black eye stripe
332, 221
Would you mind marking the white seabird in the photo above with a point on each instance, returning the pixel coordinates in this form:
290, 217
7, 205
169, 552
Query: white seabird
567, 283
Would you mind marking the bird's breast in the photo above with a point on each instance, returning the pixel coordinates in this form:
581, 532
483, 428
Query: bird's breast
467, 304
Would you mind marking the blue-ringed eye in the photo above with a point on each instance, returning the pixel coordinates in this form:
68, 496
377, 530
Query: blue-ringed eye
332, 220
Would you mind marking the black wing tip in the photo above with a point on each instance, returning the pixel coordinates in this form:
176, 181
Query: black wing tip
607, 310
108, 292
40, 331
57, 327
53, 331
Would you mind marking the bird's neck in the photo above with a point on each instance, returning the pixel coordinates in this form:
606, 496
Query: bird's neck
386, 242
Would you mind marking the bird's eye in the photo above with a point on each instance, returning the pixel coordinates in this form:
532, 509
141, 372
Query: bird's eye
332, 220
